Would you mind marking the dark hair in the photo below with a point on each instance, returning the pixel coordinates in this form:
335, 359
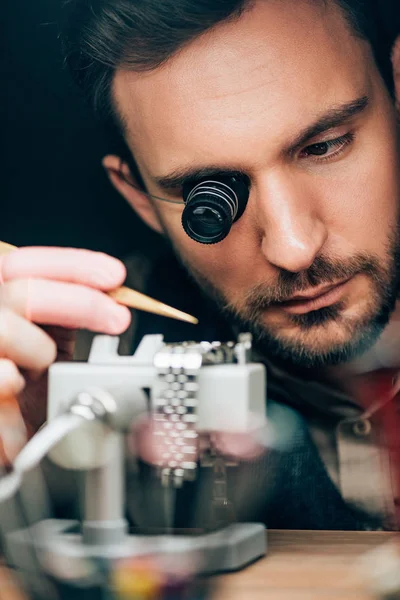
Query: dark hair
99, 36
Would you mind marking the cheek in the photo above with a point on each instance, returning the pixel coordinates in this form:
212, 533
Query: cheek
231, 266
361, 206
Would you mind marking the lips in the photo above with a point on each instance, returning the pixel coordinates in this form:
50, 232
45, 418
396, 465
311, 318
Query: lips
301, 304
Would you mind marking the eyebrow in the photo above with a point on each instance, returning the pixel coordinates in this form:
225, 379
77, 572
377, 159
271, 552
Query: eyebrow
334, 117
338, 115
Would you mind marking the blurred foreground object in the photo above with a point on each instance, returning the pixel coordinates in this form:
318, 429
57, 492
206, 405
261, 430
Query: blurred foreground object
188, 391
379, 393
301, 565
381, 568
154, 579
9, 586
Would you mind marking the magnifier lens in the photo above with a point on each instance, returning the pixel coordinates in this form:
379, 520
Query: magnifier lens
206, 221
212, 206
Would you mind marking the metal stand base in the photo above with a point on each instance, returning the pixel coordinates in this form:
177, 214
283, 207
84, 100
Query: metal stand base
57, 546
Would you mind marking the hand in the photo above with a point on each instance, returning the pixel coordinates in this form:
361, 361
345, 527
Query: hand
46, 294
244, 446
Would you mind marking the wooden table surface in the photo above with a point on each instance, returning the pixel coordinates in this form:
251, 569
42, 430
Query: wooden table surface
306, 565
300, 565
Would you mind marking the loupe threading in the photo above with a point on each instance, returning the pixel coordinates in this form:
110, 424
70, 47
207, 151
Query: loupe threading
212, 206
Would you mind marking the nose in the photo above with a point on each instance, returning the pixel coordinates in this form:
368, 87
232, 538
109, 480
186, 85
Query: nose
292, 231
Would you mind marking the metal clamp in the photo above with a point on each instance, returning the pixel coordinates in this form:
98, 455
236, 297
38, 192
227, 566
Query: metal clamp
175, 412
175, 401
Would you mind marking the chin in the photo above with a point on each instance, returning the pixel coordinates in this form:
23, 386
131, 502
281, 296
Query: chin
318, 340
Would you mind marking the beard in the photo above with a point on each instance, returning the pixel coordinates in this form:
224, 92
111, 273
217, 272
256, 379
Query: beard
358, 334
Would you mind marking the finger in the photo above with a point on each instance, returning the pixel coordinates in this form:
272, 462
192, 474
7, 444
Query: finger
65, 340
25, 344
143, 442
66, 305
13, 434
12, 428
158, 450
247, 445
11, 380
238, 446
93, 269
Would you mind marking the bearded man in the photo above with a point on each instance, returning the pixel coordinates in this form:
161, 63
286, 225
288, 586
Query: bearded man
287, 108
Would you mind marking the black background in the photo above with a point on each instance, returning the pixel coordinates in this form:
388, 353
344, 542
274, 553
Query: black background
53, 188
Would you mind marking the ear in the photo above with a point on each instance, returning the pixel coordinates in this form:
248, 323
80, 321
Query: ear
396, 70
121, 178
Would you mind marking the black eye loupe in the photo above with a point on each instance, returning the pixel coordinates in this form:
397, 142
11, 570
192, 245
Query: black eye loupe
213, 205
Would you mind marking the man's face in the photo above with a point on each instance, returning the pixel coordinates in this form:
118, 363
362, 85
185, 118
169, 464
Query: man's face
288, 96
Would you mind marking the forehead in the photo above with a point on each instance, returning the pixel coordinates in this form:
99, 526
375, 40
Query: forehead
276, 68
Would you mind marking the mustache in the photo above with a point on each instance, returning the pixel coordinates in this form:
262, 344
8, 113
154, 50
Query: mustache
324, 270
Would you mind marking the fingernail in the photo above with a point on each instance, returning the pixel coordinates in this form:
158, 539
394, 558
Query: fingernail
119, 321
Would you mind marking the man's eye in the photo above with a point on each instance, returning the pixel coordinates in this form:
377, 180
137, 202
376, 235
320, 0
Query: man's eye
329, 148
